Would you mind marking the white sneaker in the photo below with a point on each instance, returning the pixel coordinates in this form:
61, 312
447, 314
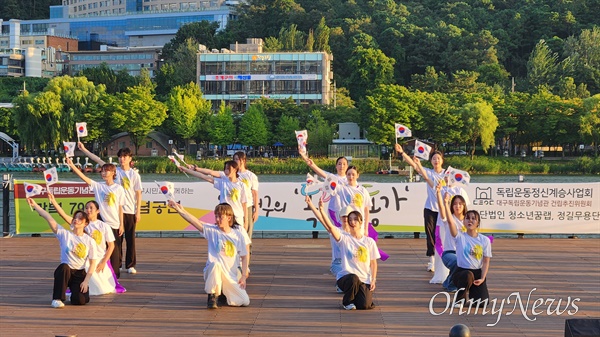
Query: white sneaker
430, 267
350, 306
57, 304
132, 270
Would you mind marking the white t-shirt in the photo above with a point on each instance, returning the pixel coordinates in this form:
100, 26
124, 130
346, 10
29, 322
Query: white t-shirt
448, 242
355, 195
110, 198
431, 201
225, 248
250, 181
232, 193
356, 256
131, 182
101, 234
470, 251
76, 250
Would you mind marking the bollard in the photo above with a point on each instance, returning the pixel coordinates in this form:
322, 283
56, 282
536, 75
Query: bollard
460, 330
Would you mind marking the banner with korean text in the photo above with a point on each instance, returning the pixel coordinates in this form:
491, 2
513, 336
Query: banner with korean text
572, 208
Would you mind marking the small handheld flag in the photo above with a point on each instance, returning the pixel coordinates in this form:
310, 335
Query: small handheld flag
302, 138
180, 156
50, 176
457, 177
167, 189
172, 159
402, 131
81, 129
422, 150
32, 189
69, 148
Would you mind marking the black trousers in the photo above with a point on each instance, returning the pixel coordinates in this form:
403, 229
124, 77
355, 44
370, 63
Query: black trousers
430, 218
463, 278
115, 257
65, 277
356, 292
129, 237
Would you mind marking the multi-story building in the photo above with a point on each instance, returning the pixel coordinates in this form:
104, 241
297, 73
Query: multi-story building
244, 73
134, 59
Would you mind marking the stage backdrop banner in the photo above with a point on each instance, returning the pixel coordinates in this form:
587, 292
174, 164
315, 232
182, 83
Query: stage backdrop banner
396, 207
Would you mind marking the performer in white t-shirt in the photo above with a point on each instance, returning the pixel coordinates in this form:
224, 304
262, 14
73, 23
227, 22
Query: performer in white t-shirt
250, 181
473, 253
359, 255
110, 197
76, 249
227, 242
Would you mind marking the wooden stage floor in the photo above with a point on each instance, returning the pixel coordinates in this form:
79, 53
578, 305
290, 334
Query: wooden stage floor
292, 293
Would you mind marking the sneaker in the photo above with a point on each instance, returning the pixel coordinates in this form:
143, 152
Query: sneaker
57, 304
430, 267
222, 300
212, 302
350, 306
132, 270
338, 290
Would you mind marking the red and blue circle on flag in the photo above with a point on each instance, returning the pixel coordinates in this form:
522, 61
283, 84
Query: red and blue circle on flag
401, 129
421, 149
30, 188
332, 185
81, 129
458, 177
48, 177
164, 189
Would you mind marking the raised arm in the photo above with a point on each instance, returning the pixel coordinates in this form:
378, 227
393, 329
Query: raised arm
51, 222
441, 203
323, 218
59, 209
88, 153
78, 172
312, 165
449, 217
187, 216
416, 164
210, 179
205, 171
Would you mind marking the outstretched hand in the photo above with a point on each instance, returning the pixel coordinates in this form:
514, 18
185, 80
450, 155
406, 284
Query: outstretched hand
81, 146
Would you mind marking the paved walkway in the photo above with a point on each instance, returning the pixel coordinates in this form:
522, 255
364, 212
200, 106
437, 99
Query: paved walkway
292, 294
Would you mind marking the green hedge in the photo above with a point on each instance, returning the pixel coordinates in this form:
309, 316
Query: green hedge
479, 165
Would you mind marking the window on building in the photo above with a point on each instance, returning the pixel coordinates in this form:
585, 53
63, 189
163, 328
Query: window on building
211, 68
211, 87
149, 145
121, 145
260, 67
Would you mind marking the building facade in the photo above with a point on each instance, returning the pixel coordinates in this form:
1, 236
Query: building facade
134, 59
237, 78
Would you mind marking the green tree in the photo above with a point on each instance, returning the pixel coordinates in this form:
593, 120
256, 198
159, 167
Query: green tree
320, 132
590, 121
272, 44
584, 53
113, 81
479, 123
387, 105
254, 130
310, 41
179, 69
291, 38
222, 129
430, 81
284, 131
137, 113
542, 66
370, 69
322, 37
202, 32
188, 111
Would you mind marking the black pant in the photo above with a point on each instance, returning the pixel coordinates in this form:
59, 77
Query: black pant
463, 278
129, 236
430, 218
356, 292
65, 277
115, 257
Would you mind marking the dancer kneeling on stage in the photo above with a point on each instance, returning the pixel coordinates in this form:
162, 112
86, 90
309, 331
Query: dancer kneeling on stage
227, 241
76, 248
359, 255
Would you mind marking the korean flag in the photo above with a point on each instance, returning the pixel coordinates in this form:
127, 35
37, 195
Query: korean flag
81, 129
422, 150
50, 176
302, 138
330, 185
69, 149
402, 131
174, 160
167, 189
32, 189
457, 177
